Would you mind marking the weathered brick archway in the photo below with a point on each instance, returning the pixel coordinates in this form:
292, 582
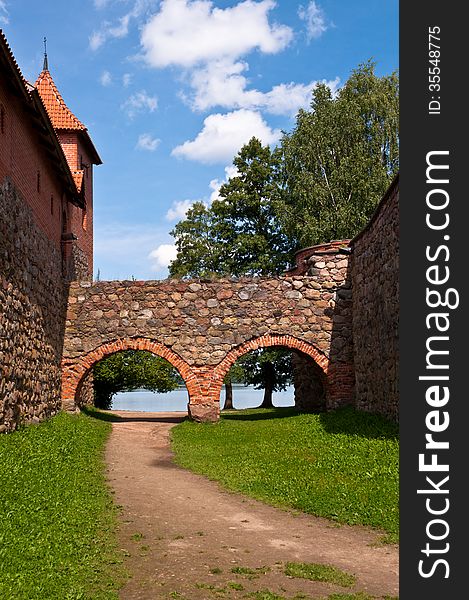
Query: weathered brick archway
266, 341
74, 375
204, 384
202, 327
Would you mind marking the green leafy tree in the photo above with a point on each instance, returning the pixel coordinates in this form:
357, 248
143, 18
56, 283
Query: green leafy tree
239, 234
129, 370
340, 158
199, 253
269, 369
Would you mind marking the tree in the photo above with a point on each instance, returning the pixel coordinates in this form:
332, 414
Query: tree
199, 254
269, 369
239, 234
234, 375
129, 370
339, 159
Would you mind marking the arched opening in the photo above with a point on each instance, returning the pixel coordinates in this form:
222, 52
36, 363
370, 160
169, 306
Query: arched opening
273, 364
77, 385
138, 380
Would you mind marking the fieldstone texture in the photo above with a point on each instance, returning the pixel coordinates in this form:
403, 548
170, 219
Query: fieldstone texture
328, 265
202, 327
33, 302
375, 274
309, 384
52, 331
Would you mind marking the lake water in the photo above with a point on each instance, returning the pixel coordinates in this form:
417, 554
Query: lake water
243, 397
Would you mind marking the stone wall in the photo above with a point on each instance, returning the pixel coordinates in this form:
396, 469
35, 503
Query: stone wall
328, 265
375, 275
32, 315
202, 327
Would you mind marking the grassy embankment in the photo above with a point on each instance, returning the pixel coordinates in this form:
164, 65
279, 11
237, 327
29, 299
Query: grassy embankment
342, 465
56, 512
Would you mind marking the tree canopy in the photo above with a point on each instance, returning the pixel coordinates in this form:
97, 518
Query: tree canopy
339, 159
240, 233
129, 370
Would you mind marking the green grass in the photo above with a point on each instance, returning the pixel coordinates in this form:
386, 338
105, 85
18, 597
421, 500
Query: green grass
57, 516
342, 465
318, 572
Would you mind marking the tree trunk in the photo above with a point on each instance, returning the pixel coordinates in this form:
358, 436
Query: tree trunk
269, 383
228, 396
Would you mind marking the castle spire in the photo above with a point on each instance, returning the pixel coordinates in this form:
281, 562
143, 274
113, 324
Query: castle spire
46, 62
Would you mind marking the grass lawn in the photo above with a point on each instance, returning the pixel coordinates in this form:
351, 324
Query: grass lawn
342, 465
56, 512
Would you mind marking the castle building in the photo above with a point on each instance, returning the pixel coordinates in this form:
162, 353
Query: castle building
48, 156
46, 236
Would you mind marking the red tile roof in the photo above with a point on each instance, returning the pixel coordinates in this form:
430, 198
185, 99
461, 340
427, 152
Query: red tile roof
59, 113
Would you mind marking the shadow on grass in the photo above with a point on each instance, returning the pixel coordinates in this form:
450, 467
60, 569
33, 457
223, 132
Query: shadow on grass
258, 414
350, 421
111, 417
346, 420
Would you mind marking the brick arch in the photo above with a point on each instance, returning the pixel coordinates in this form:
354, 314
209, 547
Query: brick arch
74, 373
266, 341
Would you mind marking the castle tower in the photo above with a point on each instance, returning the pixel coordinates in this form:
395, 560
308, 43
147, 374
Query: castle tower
81, 155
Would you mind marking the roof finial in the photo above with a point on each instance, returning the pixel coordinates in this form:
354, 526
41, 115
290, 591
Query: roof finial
46, 63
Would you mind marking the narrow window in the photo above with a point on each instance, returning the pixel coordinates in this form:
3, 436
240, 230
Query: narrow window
51, 204
84, 219
2, 118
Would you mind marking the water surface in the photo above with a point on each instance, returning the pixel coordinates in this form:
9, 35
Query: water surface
243, 397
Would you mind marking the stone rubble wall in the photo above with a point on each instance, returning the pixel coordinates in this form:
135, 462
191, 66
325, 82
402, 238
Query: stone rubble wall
204, 326
375, 275
328, 265
33, 304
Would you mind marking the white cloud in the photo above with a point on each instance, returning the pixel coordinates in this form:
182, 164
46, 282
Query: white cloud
120, 28
179, 209
4, 13
223, 84
313, 16
140, 102
109, 31
126, 79
223, 136
147, 142
162, 256
185, 33
215, 184
122, 250
105, 79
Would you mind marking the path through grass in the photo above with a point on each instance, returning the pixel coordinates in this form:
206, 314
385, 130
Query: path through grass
56, 512
342, 465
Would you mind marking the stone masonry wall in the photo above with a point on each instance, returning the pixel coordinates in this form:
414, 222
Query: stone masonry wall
202, 327
328, 264
32, 315
375, 274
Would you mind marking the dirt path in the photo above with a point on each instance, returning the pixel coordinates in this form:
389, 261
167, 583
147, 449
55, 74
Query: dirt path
184, 534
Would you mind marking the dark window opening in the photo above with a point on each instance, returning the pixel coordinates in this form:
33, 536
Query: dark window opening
38, 182
52, 205
2, 119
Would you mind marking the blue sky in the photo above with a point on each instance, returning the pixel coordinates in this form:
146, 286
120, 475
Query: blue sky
171, 89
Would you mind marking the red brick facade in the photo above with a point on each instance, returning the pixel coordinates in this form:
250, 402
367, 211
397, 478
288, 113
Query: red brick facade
51, 167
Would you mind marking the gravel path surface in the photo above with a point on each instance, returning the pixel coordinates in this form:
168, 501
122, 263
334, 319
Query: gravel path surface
184, 534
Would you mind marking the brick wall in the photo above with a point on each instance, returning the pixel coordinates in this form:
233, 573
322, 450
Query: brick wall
23, 158
81, 220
